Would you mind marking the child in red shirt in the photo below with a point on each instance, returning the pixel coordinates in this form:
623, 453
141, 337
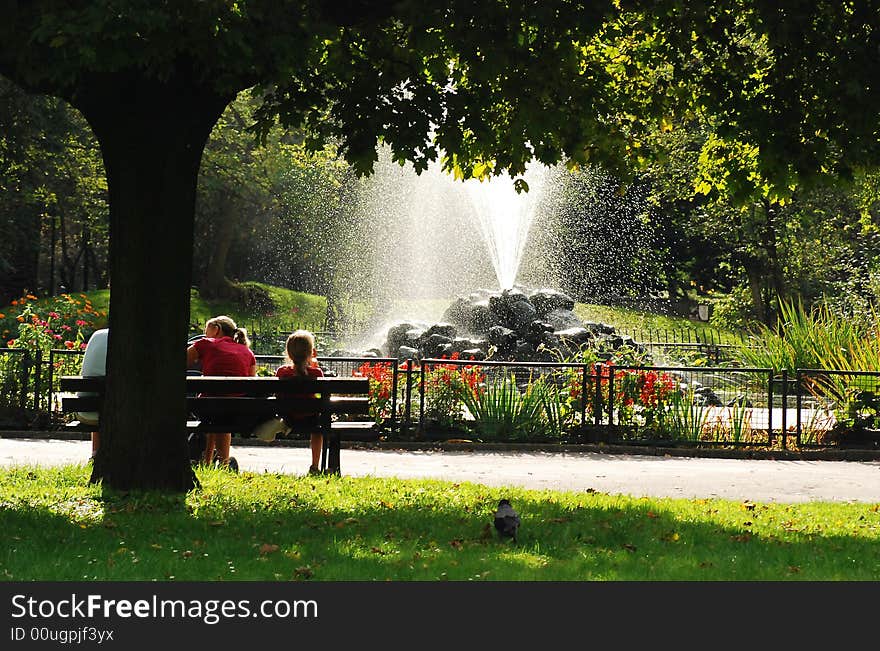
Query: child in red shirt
302, 361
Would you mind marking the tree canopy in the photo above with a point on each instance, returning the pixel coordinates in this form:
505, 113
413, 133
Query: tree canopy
488, 86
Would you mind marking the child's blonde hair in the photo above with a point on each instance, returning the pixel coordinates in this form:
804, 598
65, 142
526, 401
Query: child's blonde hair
299, 348
229, 329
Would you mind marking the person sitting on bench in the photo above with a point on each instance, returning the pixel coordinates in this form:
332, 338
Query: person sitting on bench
302, 361
224, 351
94, 364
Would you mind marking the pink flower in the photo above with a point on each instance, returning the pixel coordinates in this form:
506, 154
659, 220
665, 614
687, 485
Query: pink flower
57, 337
80, 323
54, 315
82, 346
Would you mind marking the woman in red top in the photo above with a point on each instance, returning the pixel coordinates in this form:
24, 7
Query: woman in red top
225, 351
302, 361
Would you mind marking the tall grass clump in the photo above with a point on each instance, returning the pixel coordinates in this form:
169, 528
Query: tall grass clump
817, 337
501, 411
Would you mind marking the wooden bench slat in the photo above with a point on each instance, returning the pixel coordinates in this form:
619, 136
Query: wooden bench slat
85, 403
249, 385
272, 385
81, 383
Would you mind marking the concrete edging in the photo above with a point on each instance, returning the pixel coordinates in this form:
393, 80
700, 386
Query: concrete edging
471, 446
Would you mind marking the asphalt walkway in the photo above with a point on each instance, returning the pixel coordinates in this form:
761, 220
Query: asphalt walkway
758, 480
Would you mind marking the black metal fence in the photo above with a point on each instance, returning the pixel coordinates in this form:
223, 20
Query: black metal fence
440, 399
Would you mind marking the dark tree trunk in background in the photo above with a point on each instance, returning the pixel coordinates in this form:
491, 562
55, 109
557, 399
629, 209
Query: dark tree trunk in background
85, 259
214, 284
773, 263
152, 135
24, 259
756, 286
53, 242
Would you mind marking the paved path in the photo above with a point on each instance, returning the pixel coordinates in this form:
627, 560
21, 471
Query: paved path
637, 475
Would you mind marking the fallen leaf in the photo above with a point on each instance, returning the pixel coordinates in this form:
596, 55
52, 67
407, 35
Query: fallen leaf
456, 543
304, 572
744, 537
217, 523
748, 506
267, 548
628, 547
187, 554
651, 514
793, 569
387, 505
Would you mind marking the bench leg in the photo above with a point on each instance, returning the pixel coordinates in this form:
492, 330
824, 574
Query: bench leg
331, 445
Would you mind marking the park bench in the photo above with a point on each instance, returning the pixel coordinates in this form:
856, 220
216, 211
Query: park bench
342, 404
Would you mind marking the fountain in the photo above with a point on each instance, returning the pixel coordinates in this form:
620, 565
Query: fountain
443, 238
505, 217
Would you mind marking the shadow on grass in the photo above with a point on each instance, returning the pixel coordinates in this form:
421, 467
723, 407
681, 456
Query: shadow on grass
268, 527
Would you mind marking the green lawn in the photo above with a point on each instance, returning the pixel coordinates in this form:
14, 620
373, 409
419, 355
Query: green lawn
54, 526
291, 308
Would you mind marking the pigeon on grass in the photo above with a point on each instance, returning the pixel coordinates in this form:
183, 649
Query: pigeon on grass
506, 520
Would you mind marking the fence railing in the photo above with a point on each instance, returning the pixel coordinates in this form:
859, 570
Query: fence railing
546, 401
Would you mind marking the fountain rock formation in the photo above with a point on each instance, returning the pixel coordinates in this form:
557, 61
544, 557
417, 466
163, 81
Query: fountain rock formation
508, 325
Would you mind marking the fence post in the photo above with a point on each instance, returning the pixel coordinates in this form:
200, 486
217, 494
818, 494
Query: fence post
421, 398
49, 405
798, 402
597, 395
611, 395
407, 407
584, 395
394, 381
770, 407
38, 376
785, 407
25, 380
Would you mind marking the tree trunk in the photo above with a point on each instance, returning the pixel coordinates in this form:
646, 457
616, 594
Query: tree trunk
214, 283
774, 266
152, 135
756, 286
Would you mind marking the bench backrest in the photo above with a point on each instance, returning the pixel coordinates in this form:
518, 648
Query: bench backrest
335, 393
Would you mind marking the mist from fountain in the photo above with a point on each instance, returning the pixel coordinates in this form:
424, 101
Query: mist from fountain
428, 240
505, 217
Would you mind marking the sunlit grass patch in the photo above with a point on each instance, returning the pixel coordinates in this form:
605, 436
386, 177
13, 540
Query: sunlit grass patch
271, 527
